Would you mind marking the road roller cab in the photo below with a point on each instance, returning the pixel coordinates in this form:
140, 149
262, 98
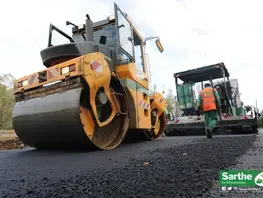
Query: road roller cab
94, 91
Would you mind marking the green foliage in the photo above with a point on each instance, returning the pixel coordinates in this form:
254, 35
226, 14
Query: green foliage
170, 101
172, 104
260, 120
6, 101
7, 80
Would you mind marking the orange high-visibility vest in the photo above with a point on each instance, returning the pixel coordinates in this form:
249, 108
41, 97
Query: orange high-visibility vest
208, 99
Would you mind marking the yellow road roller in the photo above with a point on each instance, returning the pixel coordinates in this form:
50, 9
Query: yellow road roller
94, 92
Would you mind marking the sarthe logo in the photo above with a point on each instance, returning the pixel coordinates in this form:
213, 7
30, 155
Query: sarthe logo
238, 178
259, 179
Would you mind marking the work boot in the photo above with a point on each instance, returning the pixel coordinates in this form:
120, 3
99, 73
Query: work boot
208, 133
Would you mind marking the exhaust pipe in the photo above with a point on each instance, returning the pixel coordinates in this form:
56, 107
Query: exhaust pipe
89, 29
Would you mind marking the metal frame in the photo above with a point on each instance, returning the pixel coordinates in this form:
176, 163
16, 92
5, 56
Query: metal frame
116, 9
229, 100
148, 65
150, 38
142, 56
51, 28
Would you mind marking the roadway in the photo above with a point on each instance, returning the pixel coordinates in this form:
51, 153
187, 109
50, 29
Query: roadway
169, 167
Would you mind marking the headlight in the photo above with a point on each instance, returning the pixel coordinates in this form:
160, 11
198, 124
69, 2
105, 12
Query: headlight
25, 83
67, 69
22, 83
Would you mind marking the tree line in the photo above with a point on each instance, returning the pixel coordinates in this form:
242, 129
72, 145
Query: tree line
6, 101
172, 103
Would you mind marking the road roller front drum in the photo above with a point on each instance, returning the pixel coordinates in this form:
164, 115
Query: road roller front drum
65, 120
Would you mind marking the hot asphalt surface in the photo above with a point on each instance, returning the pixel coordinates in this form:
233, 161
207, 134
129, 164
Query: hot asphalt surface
169, 167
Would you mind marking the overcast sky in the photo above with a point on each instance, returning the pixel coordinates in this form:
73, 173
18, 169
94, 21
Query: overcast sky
193, 33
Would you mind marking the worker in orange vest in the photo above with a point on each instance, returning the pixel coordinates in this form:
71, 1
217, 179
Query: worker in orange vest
209, 103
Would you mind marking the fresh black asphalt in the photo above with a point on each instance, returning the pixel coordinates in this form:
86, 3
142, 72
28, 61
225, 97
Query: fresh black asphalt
168, 167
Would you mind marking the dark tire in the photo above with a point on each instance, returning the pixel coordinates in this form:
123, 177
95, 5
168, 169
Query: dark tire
167, 133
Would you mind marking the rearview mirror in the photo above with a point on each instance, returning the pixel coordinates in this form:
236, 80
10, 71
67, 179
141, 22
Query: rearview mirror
159, 45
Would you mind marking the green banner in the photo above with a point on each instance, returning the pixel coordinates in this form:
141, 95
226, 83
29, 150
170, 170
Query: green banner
244, 178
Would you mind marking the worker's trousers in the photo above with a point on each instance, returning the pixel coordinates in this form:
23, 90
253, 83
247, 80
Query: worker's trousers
210, 120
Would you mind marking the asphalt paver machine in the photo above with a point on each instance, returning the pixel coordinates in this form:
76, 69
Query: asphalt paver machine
190, 122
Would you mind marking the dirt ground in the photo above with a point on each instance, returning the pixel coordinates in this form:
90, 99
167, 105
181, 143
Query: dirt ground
9, 140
